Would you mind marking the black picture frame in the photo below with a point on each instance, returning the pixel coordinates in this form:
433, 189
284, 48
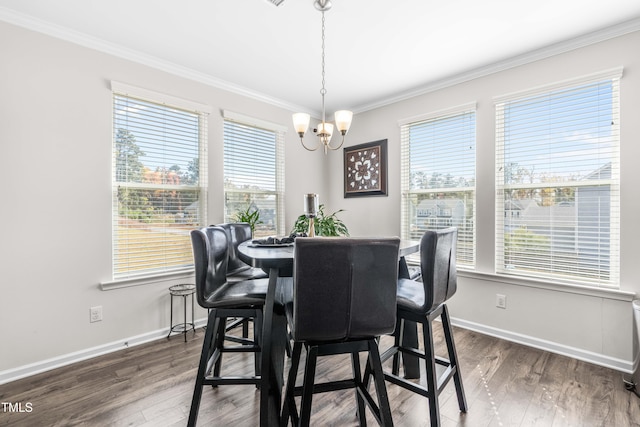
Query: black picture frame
365, 169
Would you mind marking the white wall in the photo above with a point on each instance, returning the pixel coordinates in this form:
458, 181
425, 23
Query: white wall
596, 326
55, 214
55, 140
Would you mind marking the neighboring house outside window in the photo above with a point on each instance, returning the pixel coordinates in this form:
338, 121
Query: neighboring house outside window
254, 172
159, 181
557, 181
438, 177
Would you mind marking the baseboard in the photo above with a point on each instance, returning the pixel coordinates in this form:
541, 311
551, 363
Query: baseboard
624, 366
78, 356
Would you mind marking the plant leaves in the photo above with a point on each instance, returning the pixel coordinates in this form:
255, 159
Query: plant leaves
325, 225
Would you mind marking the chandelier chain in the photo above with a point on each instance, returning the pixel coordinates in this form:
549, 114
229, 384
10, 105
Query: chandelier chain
323, 91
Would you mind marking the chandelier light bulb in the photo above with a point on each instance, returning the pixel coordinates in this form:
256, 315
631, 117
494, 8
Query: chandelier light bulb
325, 130
301, 123
343, 120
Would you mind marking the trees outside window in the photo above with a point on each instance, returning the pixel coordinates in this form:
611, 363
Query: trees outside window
438, 177
557, 161
254, 173
158, 192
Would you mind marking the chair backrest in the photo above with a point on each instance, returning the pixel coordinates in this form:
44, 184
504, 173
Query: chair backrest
438, 265
237, 232
210, 256
344, 288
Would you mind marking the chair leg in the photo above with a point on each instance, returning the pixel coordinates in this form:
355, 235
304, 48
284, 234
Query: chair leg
432, 379
245, 328
453, 358
288, 349
307, 386
381, 389
219, 344
397, 343
289, 408
367, 368
242, 321
257, 339
357, 378
207, 350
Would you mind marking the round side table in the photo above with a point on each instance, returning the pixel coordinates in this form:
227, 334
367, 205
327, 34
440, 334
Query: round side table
183, 291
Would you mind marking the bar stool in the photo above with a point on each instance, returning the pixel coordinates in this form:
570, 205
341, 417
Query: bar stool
237, 270
183, 290
340, 306
423, 302
225, 300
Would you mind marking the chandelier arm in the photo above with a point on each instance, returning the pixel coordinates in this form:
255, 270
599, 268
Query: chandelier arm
338, 147
307, 148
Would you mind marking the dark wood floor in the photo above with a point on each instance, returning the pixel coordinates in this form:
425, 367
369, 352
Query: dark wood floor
151, 385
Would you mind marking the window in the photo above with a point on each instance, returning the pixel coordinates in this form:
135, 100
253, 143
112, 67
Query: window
254, 172
159, 181
558, 200
439, 176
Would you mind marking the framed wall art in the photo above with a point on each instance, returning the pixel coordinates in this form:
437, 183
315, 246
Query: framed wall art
365, 169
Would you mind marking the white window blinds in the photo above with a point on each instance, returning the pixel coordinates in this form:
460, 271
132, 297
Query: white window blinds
159, 184
438, 176
557, 180
254, 172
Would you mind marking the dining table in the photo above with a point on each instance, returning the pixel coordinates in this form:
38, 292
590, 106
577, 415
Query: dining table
275, 258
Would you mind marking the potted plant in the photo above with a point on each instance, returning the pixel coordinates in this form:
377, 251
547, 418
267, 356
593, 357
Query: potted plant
325, 225
250, 215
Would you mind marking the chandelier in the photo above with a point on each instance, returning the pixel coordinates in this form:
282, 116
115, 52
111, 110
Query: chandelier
342, 117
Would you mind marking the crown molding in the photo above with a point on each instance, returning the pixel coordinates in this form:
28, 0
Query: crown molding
82, 39
526, 58
119, 51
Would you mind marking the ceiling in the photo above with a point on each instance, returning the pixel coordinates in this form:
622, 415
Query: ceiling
376, 51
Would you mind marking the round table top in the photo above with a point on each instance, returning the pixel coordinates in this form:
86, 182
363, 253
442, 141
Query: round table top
278, 256
265, 256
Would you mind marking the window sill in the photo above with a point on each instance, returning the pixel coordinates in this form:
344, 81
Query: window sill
146, 280
609, 293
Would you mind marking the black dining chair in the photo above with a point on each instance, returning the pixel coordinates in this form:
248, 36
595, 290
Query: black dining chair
423, 302
224, 300
343, 298
238, 270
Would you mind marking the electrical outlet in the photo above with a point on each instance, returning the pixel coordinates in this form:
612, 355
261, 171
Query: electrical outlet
501, 301
95, 314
